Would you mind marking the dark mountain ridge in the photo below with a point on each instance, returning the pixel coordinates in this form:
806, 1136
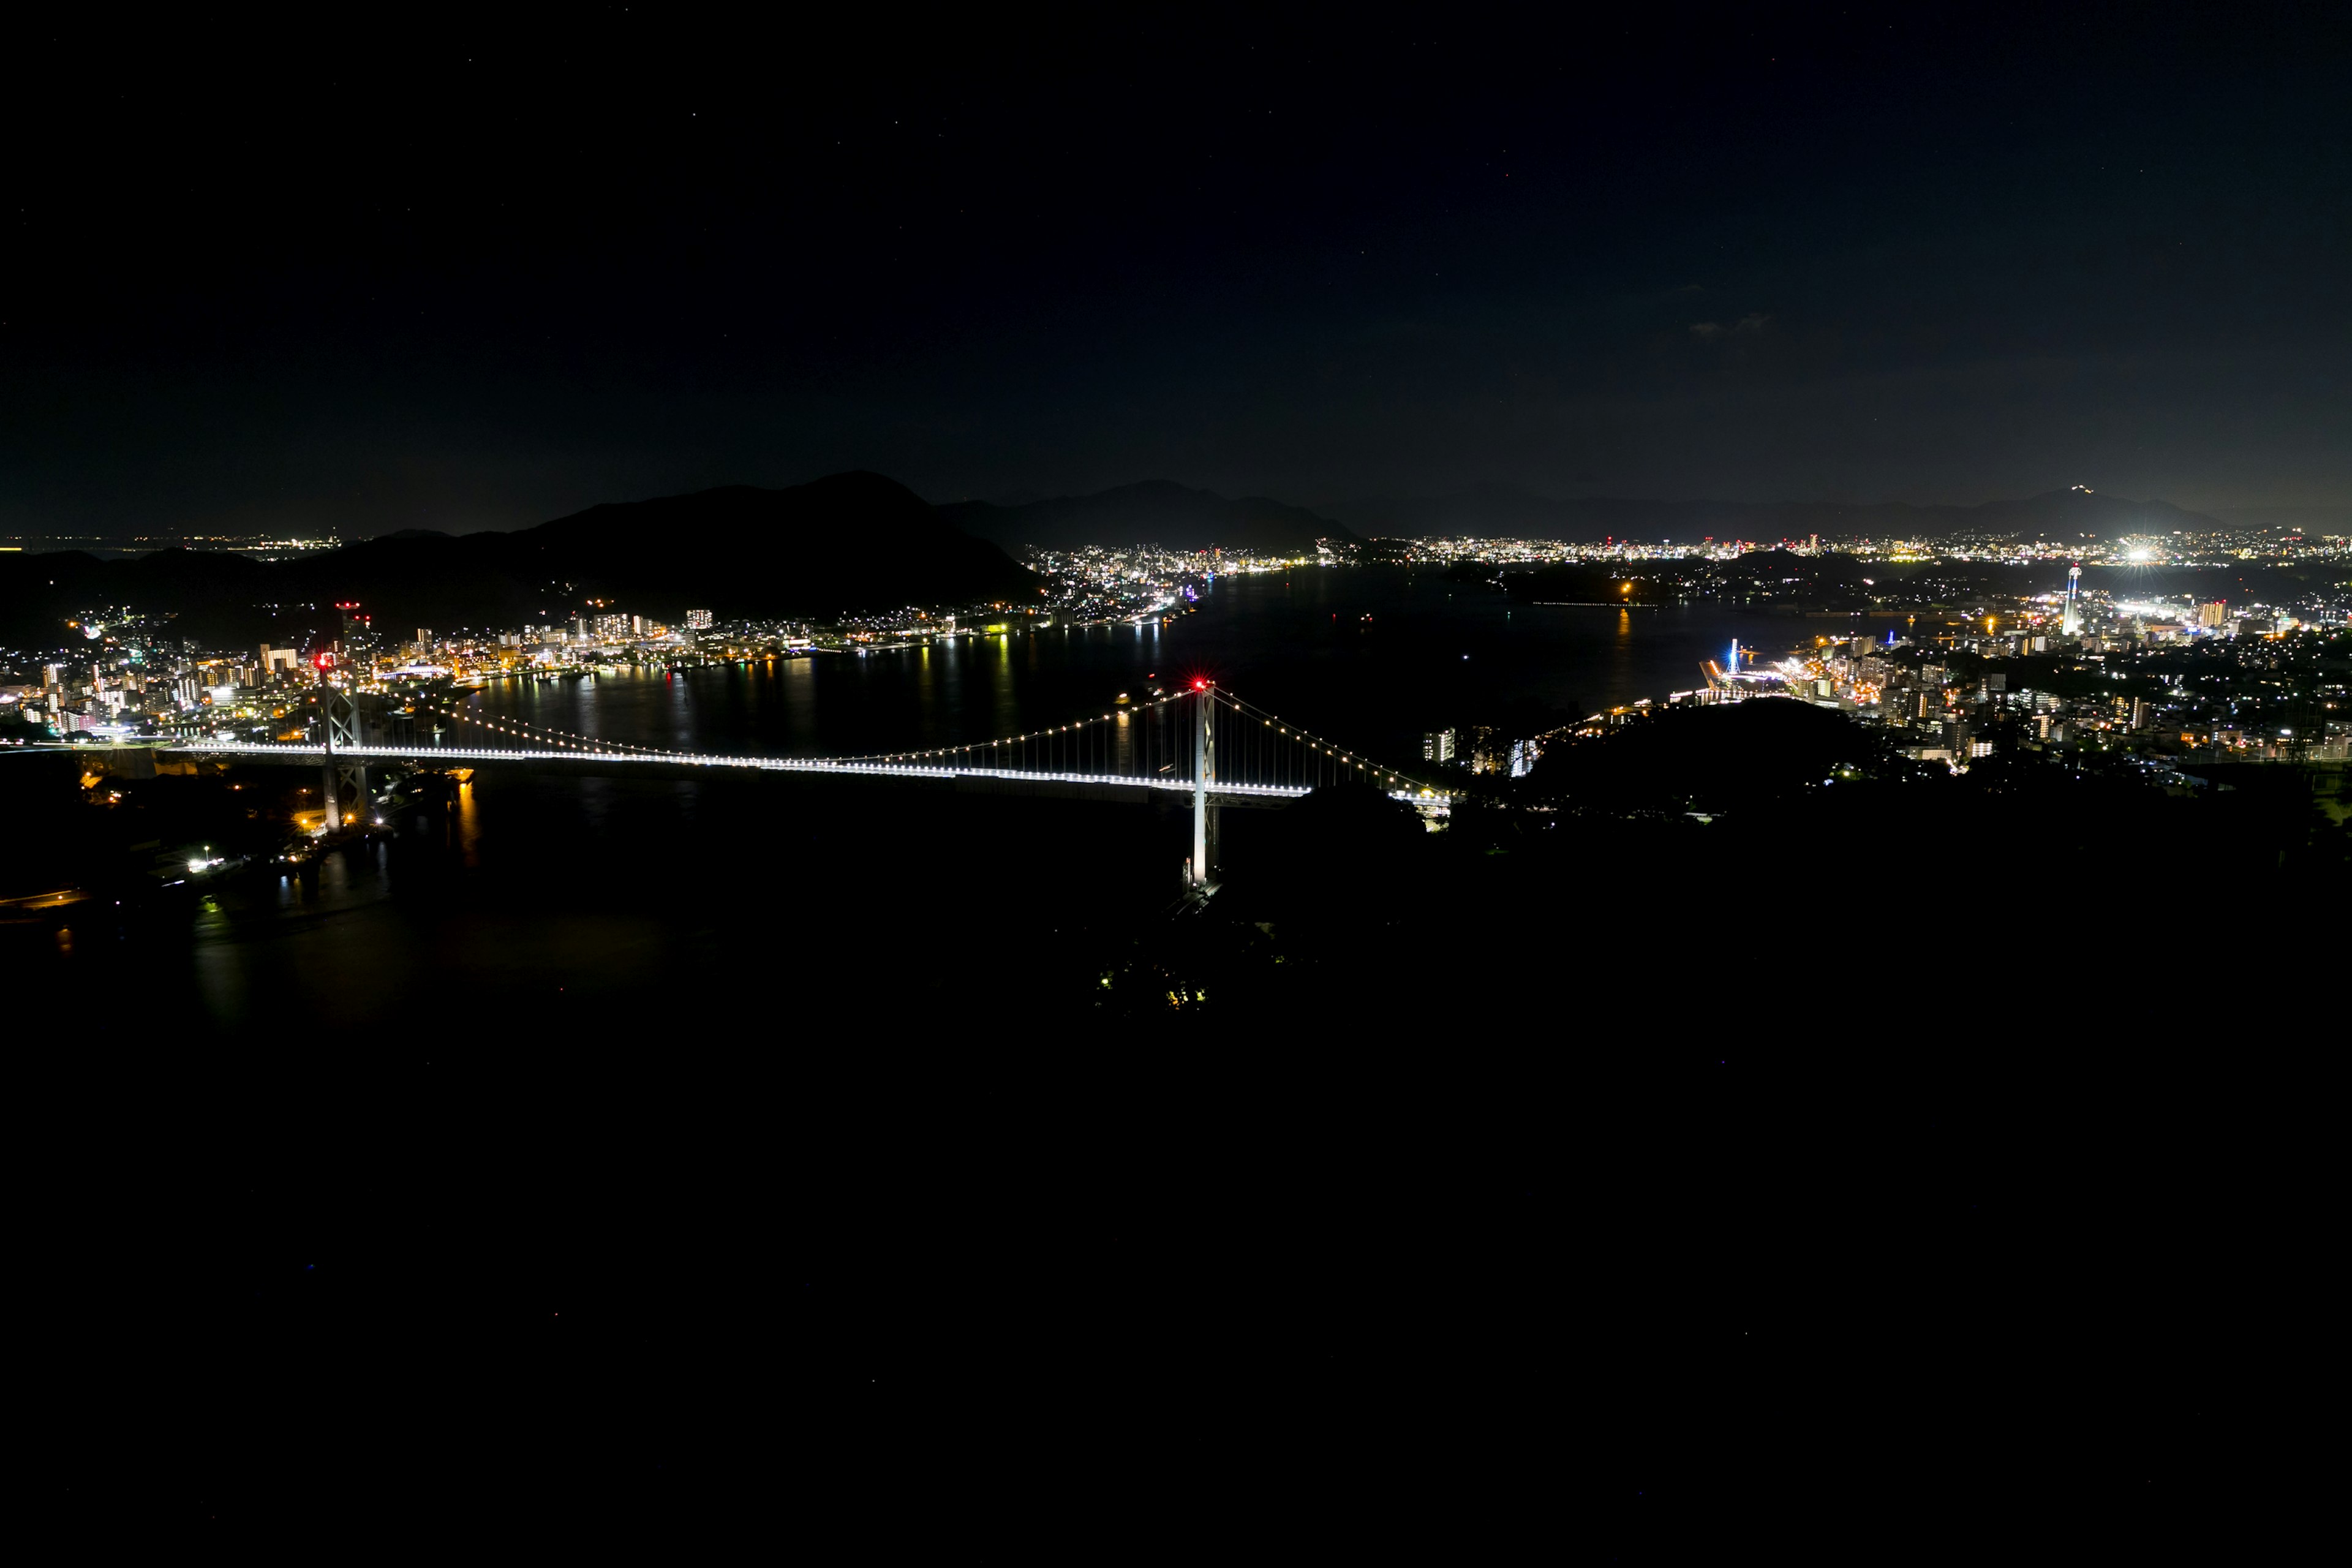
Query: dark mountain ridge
848, 543
858, 542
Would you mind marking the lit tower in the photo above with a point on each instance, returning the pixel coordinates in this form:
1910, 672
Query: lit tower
2071, 624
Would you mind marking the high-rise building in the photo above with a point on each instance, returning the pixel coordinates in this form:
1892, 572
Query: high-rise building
1437, 746
359, 636
2214, 613
2071, 623
698, 620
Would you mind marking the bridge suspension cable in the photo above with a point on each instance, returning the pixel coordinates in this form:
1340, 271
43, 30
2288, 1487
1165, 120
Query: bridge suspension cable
1092, 744
1317, 761
1147, 742
525, 729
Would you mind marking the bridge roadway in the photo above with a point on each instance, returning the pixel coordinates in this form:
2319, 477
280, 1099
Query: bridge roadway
428, 755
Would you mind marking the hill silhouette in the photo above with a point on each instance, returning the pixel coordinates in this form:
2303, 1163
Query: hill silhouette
854, 541
859, 541
849, 543
1154, 512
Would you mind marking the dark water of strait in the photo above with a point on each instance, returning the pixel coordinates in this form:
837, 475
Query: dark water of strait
688, 1150
1372, 658
564, 896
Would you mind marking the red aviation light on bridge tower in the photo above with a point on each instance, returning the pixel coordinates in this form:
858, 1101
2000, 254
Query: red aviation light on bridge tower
1200, 685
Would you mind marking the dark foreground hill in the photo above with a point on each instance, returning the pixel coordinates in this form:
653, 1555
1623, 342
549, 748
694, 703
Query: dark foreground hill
846, 544
1714, 758
1155, 513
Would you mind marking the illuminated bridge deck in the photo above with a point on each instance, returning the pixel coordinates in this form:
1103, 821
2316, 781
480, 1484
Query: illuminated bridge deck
428, 755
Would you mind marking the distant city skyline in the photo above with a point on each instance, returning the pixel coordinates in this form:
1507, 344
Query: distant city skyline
279, 543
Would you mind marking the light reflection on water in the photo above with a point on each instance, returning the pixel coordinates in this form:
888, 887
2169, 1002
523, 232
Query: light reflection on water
1374, 657
574, 891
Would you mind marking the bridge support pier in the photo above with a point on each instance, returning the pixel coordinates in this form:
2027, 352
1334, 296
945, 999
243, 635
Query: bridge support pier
341, 772
1204, 775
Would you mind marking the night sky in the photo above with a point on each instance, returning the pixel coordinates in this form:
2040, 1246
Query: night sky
410, 271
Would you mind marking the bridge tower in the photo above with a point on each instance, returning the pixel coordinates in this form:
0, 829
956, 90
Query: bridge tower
1204, 777
341, 773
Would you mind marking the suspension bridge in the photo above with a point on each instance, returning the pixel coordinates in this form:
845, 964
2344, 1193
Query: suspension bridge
1204, 741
